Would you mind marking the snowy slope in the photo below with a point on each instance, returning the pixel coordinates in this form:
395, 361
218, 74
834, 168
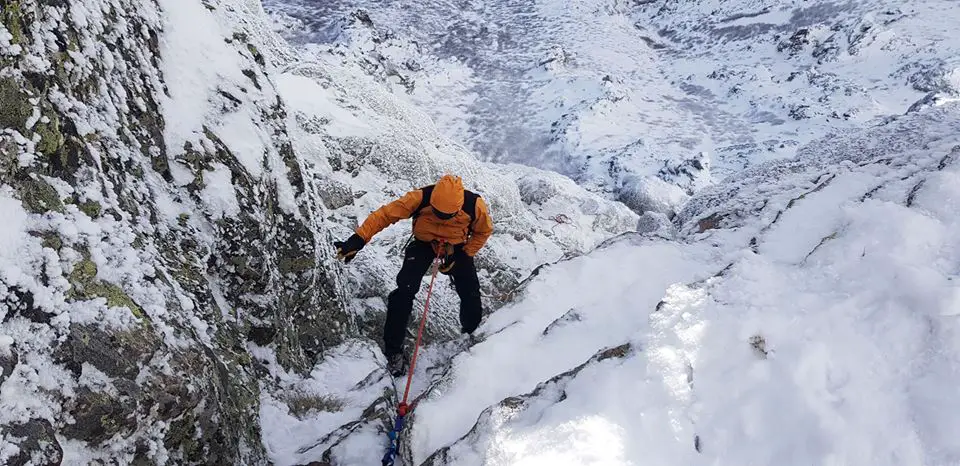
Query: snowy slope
820, 328
765, 323
807, 316
613, 92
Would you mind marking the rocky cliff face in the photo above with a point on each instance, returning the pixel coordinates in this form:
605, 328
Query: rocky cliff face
170, 180
145, 246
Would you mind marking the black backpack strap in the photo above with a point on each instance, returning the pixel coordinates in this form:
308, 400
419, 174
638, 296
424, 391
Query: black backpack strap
424, 201
470, 206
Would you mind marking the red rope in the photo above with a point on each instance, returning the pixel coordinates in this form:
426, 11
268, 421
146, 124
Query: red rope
402, 409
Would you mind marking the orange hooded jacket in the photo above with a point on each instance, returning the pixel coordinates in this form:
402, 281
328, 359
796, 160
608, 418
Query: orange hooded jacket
447, 197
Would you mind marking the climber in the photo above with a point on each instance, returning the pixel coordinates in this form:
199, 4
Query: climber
443, 213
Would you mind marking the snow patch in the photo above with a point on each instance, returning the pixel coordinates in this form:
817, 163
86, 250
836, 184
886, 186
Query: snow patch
196, 60
13, 231
244, 134
218, 193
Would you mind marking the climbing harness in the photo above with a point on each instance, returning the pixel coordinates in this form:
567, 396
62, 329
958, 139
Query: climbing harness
403, 408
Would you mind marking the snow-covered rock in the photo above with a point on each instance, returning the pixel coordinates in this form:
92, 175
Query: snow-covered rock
651, 194
156, 222
603, 90
172, 177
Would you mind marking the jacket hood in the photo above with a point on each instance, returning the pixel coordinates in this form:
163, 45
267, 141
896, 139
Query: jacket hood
447, 194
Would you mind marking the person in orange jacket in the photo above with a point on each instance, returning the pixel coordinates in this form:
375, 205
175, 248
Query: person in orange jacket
443, 213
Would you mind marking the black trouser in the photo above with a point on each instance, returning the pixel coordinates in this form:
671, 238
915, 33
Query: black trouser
416, 262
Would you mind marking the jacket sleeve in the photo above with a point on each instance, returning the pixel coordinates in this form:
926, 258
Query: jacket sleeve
482, 229
389, 214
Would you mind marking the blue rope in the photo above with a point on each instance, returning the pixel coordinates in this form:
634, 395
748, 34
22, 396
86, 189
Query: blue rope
394, 435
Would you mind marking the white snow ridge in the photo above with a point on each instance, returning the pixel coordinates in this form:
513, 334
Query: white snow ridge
725, 231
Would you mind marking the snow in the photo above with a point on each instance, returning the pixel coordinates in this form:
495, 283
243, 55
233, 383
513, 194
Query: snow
814, 323
28, 393
218, 192
847, 336
195, 55
246, 139
603, 90
96, 380
831, 342
12, 231
794, 235
517, 356
341, 377
181, 174
5, 344
309, 97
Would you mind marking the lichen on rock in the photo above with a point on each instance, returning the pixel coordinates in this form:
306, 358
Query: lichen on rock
15, 109
86, 285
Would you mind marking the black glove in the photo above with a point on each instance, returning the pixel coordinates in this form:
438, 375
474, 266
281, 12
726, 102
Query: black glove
349, 248
451, 260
